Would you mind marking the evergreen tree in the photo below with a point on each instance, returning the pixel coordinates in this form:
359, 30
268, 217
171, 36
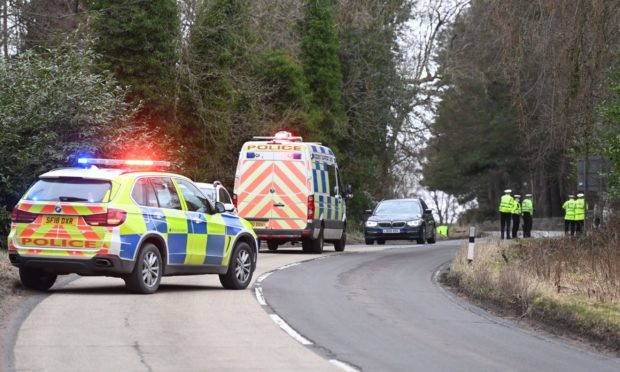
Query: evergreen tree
320, 57
136, 40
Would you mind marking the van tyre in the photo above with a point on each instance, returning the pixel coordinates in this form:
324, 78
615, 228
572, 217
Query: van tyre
240, 268
339, 244
310, 245
146, 275
36, 279
272, 246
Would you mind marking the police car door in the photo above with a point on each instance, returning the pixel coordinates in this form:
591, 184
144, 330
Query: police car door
207, 233
170, 218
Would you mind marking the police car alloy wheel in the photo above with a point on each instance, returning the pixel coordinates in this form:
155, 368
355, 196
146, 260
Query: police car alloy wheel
240, 268
147, 273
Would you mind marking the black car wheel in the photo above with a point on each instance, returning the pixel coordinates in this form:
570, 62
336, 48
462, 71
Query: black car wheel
369, 241
422, 238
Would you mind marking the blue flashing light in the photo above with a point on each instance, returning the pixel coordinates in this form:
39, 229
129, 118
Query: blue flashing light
297, 155
250, 155
83, 161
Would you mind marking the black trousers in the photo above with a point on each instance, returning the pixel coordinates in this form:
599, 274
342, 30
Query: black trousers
505, 223
515, 224
578, 227
527, 225
569, 225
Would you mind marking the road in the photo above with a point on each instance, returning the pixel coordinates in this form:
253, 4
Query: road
375, 308
381, 311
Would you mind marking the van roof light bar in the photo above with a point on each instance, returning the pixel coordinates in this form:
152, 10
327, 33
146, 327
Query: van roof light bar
280, 136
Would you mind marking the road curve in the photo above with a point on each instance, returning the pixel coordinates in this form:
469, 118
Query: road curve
381, 311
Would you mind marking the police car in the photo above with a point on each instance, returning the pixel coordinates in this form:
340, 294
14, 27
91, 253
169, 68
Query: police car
127, 219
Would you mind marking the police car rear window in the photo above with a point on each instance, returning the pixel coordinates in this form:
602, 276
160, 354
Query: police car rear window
70, 190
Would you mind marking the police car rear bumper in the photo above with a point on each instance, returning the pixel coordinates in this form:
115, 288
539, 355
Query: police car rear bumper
98, 265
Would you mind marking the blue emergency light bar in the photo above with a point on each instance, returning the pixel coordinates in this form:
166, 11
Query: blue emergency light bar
121, 163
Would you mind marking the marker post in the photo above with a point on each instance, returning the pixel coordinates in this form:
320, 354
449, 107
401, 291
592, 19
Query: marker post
470, 245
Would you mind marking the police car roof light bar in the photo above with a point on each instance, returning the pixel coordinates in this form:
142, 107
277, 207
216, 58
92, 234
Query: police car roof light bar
120, 163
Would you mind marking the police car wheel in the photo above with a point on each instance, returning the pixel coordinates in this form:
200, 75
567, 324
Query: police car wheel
147, 273
339, 244
369, 241
36, 279
240, 268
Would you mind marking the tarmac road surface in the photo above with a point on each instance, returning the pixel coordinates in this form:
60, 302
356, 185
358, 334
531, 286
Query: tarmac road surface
382, 311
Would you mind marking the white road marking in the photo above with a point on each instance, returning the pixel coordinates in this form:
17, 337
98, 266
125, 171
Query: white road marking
343, 366
289, 265
287, 328
263, 277
259, 296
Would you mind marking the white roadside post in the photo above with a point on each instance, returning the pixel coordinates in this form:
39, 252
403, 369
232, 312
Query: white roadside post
470, 245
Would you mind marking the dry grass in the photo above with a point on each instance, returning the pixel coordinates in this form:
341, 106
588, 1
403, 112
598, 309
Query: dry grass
571, 284
9, 276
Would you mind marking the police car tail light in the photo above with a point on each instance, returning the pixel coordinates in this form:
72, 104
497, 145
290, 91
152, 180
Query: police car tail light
113, 217
19, 216
310, 207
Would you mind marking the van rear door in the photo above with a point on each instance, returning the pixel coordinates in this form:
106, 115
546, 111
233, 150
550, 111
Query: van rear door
272, 191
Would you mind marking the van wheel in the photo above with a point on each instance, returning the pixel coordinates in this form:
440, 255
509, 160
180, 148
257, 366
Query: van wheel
339, 244
273, 246
36, 279
147, 273
310, 245
240, 268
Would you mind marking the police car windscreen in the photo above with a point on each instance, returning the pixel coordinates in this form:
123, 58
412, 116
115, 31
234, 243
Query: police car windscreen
69, 190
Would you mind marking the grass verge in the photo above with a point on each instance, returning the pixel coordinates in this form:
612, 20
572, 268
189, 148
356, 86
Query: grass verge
569, 286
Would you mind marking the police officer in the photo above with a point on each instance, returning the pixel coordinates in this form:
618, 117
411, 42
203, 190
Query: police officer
580, 212
506, 204
569, 215
516, 215
527, 208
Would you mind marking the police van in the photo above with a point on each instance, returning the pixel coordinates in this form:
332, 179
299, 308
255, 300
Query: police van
291, 191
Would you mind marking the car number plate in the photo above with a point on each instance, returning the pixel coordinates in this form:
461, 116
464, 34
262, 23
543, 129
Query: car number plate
391, 231
59, 220
259, 224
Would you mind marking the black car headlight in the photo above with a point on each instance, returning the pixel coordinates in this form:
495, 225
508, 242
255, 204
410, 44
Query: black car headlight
414, 223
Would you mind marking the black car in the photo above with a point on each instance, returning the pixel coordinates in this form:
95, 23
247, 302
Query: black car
400, 219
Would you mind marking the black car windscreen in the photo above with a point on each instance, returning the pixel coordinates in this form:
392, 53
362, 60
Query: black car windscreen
398, 207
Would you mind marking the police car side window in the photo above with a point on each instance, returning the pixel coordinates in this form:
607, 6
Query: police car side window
166, 193
144, 194
194, 199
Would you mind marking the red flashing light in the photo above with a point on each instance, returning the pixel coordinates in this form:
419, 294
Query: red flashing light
234, 200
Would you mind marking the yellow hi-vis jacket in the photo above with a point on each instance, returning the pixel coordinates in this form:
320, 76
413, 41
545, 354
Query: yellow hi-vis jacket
516, 208
569, 210
527, 206
580, 209
506, 203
